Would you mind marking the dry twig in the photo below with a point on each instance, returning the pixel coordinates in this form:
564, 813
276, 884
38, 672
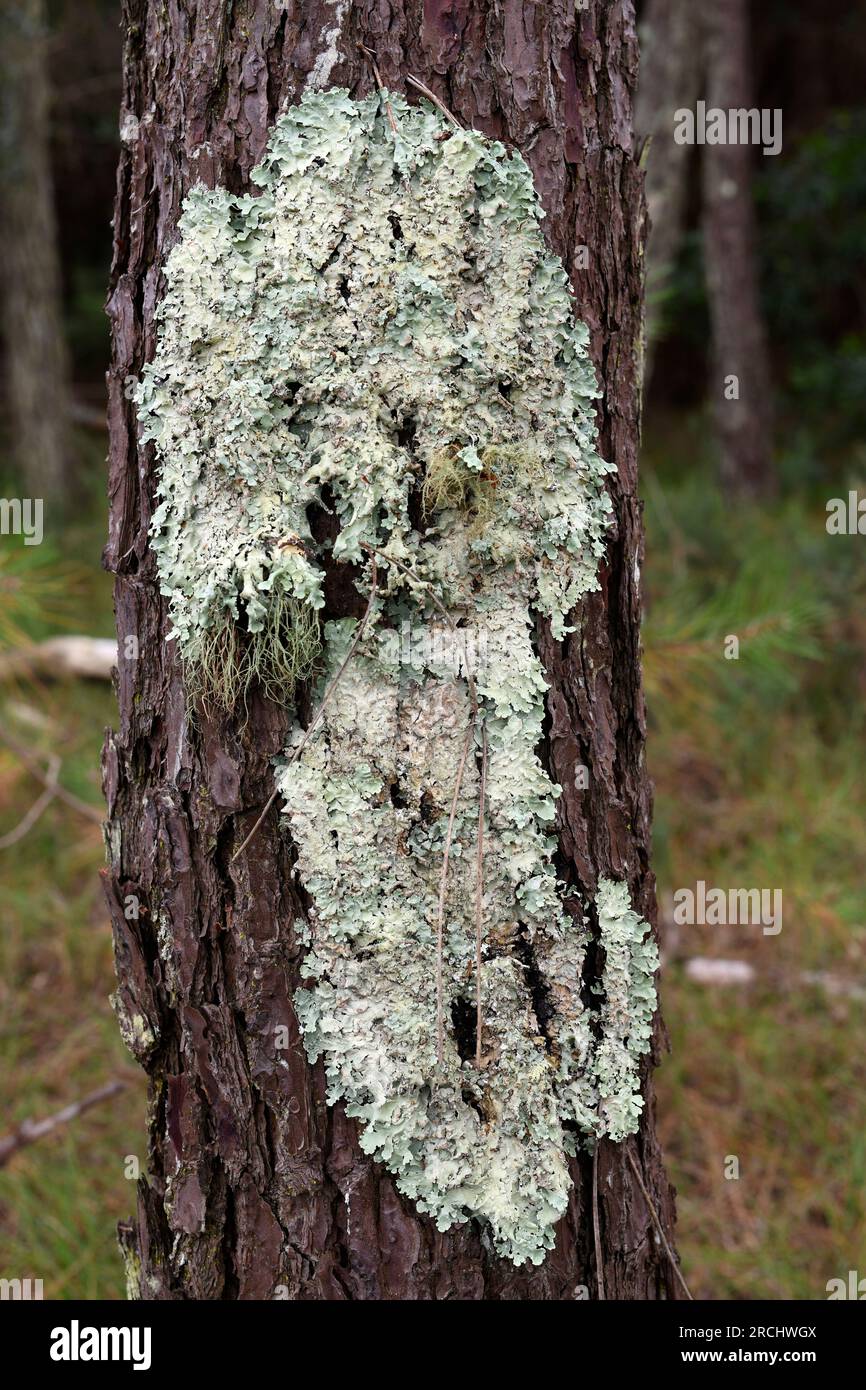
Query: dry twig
479, 893
657, 1223
443, 888
378, 79
446, 856
42, 802
31, 1130
83, 807
431, 96
596, 1225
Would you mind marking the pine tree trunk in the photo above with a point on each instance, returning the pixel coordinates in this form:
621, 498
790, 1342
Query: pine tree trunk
670, 74
37, 368
272, 1194
739, 349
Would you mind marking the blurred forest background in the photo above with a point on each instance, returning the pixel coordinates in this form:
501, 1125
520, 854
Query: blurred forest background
755, 268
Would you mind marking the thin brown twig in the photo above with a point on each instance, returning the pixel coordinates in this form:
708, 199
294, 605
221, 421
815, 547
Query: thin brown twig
596, 1225
42, 802
446, 856
657, 1223
83, 807
31, 1130
431, 96
378, 80
479, 893
443, 886
313, 725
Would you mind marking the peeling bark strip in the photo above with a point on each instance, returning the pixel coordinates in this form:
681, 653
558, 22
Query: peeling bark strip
258, 1189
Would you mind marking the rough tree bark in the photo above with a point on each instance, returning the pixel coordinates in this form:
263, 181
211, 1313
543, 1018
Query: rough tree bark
744, 423
265, 1169
37, 367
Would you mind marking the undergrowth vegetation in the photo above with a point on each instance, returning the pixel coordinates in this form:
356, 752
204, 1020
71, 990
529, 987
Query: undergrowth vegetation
757, 767
61, 1197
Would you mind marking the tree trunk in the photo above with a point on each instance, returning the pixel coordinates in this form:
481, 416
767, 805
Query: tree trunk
740, 382
670, 74
37, 369
272, 1194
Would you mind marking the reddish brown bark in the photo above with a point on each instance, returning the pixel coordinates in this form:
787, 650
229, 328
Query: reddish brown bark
266, 1174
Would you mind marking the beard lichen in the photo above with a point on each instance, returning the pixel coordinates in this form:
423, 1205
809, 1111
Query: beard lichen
382, 331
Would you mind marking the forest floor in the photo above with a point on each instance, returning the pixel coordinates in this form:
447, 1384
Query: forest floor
757, 764
61, 1197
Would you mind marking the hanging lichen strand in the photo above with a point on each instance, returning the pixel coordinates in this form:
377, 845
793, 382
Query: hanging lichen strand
382, 330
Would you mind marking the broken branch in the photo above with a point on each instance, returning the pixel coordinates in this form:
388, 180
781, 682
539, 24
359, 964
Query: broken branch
431, 96
443, 880
479, 893
378, 79
31, 1130
657, 1223
83, 807
42, 802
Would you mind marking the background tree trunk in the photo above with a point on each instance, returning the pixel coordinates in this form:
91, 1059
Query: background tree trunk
744, 424
670, 75
265, 1174
37, 367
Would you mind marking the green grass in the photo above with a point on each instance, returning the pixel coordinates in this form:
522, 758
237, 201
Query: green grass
60, 1198
757, 766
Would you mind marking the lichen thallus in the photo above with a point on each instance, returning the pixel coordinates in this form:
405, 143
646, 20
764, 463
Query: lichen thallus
383, 330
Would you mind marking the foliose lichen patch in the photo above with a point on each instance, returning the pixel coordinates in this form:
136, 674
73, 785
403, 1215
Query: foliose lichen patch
382, 331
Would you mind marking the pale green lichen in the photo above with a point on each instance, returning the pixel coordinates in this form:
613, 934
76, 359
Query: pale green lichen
132, 1271
383, 330
631, 959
